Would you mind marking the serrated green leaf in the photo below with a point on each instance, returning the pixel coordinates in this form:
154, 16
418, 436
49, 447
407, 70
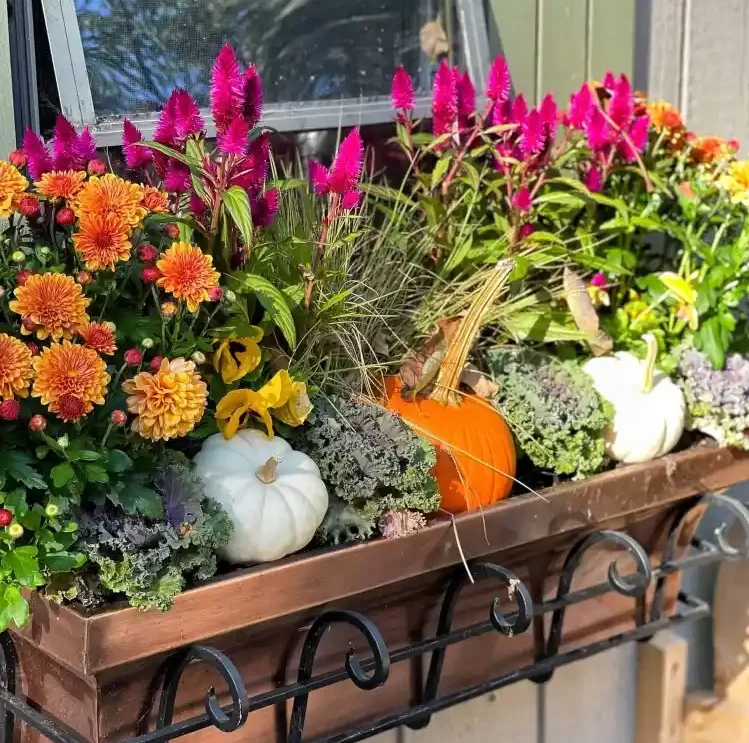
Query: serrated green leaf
272, 299
14, 608
16, 464
237, 203
62, 474
96, 473
23, 563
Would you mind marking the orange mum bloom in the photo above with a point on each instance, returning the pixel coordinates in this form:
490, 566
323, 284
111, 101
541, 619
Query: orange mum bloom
187, 273
102, 240
154, 200
109, 194
99, 336
61, 184
169, 403
664, 116
710, 149
15, 367
51, 304
70, 379
12, 187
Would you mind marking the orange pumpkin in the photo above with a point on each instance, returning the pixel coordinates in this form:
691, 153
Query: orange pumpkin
474, 446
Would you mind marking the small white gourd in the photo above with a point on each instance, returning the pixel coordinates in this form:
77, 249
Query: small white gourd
273, 494
649, 409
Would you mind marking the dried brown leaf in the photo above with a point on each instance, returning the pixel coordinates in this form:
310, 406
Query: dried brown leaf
584, 313
481, 385
420, 368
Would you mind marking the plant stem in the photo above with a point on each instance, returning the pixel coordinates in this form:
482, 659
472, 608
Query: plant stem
650, 358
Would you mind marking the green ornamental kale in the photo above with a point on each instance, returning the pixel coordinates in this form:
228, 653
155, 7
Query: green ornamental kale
150, 561
555, 413
370, 461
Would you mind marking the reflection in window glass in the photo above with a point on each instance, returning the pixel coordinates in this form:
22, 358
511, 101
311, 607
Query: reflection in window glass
306, 50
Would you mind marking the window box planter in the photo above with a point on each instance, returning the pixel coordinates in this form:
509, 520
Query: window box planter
95, 674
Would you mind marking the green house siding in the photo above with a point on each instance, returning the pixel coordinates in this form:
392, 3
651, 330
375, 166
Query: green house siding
553, 45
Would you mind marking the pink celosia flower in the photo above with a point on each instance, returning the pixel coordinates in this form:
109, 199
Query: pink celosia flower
250, 172
609, 81
226, 88
522, 200
177, 177
135, 155
197, 205
549, 115
84, 149
234, 139
346, 169
638, 136
498, 85
39, 158
532, 134
466, 94
621, 107
519, 109
594, 179
444, 100
252, 97
580, 107
402, 92
351, 200
63, 142
166, 126
598, 279
187, 115
526, 230
597, 130
265, 208
318, 174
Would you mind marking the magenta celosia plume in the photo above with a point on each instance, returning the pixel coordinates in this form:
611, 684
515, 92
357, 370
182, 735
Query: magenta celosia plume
636, 139
466, 93
234, 139
188, 119
444, 100
499, 82
39, 157
252, 97
177, 177
136, 156
402, 91
532, 134
597, 129
621, 106
226, 88
549, 115
579, 108
68, 150
84, 148
522, 200
265, 208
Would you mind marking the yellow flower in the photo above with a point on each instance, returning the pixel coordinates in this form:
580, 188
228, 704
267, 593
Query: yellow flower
15, 367
109, 194
685, 295
736, 182
169, 403
70, 379
234, 409
51, 304
61, 184
12, 187
238, 357
297, 407
187, 273
599, 296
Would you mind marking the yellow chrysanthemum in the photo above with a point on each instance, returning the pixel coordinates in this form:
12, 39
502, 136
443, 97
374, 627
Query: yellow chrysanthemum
102, 240
736, 182
109, 194
51, 304
169, 403
15, 367
155, 201
238, 357
61, 184
187, 274
99, 336
12, 187
70, 379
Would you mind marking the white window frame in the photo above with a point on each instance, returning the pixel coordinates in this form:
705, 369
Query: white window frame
77, 103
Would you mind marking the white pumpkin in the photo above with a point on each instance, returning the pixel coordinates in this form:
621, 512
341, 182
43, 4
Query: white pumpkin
649, 409
273, 494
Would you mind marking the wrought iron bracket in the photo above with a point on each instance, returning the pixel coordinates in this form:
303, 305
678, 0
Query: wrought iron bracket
373, 672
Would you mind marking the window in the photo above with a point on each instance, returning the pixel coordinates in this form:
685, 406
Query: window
323, 62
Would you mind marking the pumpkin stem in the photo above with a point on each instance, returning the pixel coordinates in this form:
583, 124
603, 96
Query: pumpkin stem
456, 355
266, 473
651, 356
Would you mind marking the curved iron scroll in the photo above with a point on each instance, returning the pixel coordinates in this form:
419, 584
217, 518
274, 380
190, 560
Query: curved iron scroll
633, 585
354, 669
171, 676
508, 625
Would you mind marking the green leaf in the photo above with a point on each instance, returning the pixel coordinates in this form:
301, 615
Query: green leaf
118, 461
713, 339
23, 563
440, 169
334, 300
32, 520
238, 203
96, 473
272, 300
15, 501
560, 198
542, 325
85, 454
16, 464
13, 607
62, 474
62, 562
138, 500
458, 255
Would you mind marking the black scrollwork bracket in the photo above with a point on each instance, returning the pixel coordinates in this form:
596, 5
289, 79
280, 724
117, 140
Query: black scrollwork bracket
372, 671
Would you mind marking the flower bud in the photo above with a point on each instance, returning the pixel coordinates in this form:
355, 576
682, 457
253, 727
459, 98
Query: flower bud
172, 230
83, 278
33, 348
147, 343
148, 253
96, 167
52, 510
63, 442
22, 276
119, 417
37, 423
30, 207
168, 310
215, 293
29, 324
150, 274
18, 256
65, 217
10, 410
155, 364
229, 296
18, 158
45, 251
133, 357
198, 358
111, 325
15, 531
6, 517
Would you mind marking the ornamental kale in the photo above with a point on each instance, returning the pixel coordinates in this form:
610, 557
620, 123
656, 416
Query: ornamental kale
150, 561
717, 399
370, 460
555, 413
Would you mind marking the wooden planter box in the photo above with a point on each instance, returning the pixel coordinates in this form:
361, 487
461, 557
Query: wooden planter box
93, 673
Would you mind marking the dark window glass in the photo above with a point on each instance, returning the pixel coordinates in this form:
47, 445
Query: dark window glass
306, 50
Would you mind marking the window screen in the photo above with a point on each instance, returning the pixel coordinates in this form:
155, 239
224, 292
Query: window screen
136, 51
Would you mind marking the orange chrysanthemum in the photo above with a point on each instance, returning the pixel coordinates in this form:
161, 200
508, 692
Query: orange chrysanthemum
109, 194
61, 184
99, 336
15, 367
169, 403
102, 240
664, 116
710, 149
51, 304
187, 273
12, 187
70, 379
154, 200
